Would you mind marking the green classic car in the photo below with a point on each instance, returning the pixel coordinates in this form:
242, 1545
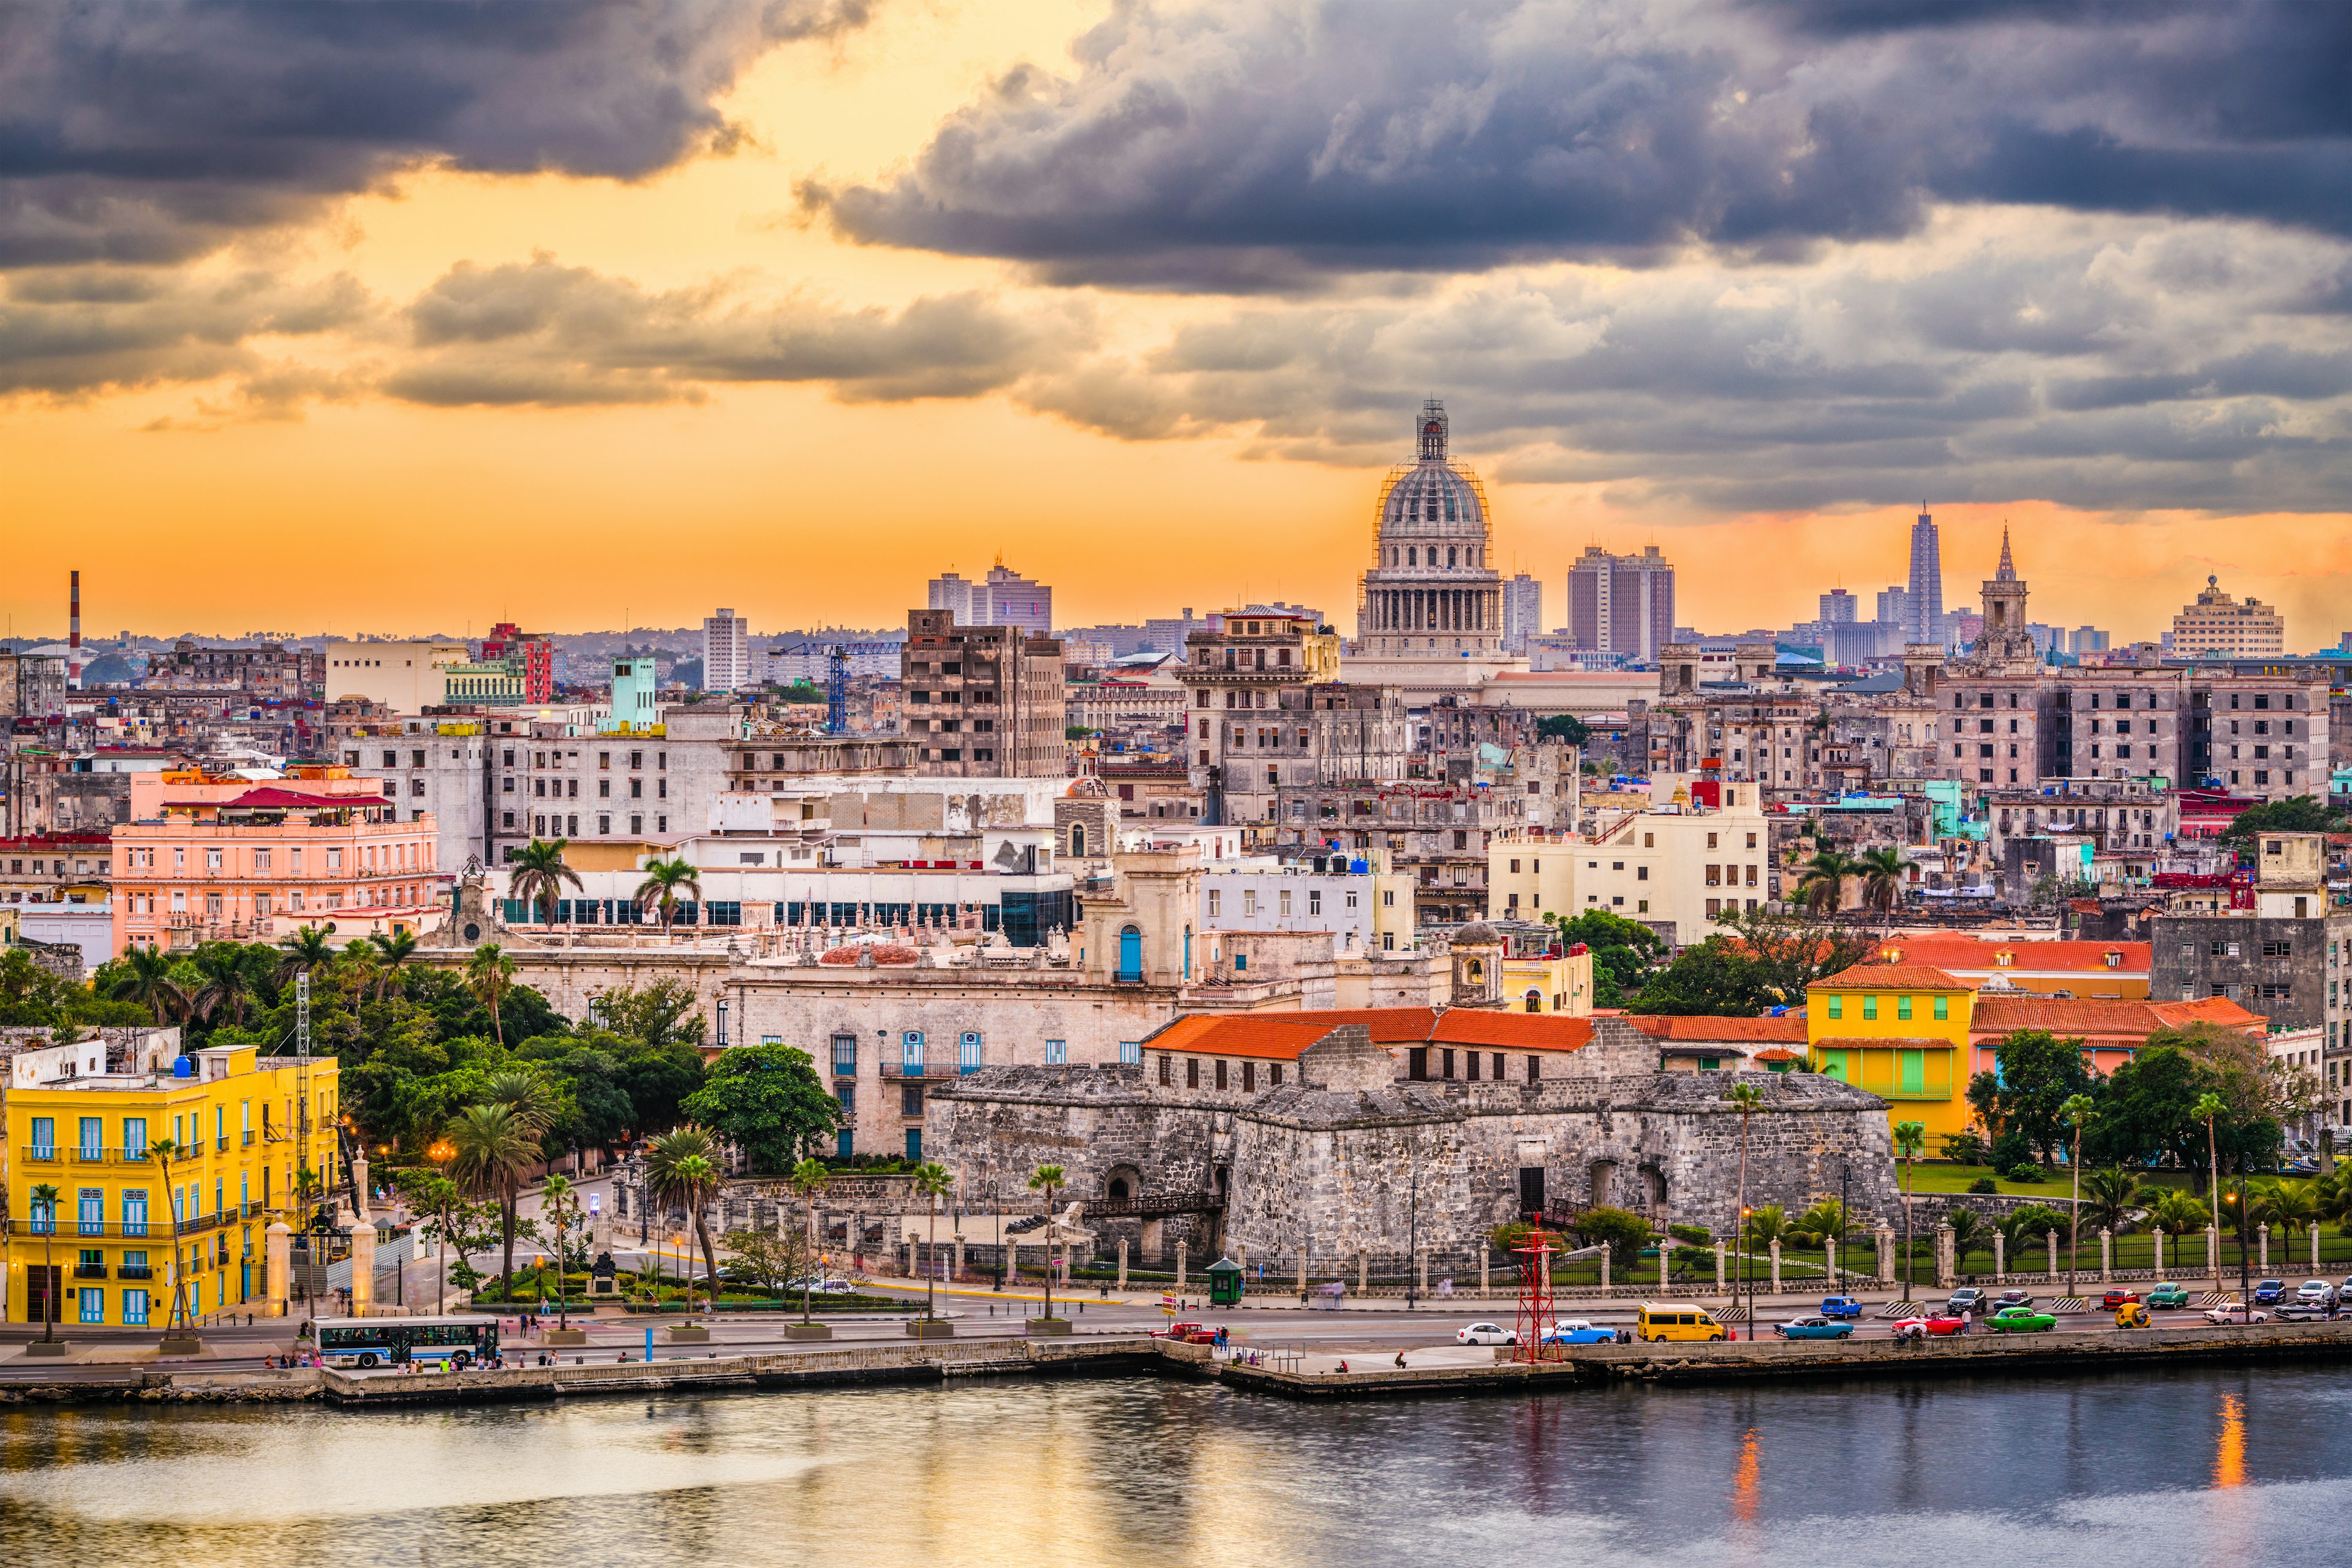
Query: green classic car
2168, 1295
2019, 1321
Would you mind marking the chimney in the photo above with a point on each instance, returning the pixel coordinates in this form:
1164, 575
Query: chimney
73, 638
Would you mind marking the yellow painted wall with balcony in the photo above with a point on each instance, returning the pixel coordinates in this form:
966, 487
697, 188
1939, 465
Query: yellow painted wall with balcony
119, 1221
1900, 1032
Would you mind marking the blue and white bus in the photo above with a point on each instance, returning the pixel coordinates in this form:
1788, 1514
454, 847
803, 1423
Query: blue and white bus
455, 1342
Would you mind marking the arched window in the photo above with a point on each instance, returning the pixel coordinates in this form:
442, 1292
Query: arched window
1412, 558
1449, 558
1535, 1000
1077, 838
1131, 953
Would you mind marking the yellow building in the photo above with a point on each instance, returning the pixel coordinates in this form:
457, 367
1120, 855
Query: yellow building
1901, 1032
1537, 981
85, 1120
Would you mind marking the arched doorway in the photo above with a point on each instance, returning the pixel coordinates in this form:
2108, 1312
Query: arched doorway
1535, 1000
1131, 953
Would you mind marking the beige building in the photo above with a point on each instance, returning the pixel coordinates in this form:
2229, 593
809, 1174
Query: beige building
1675, 868
982, 702
2218, 624
406, 677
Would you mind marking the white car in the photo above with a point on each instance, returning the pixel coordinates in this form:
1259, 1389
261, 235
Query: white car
2235, 1311
2315, 1294
1486, 1334
819, 1287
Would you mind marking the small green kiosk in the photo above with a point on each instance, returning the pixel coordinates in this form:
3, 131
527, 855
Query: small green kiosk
1225, 1283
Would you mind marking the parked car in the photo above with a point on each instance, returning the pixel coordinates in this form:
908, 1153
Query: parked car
2019, 1321
1967, 1299
2131, 1315
1815, 1327
1181, 1332
2268, 1291
1577, 1331
1840, 1307
1936, 1323
2235, 1311
2118, 1296
2169, 1294
820, 1287
1486, 1334
2013, 1298
2315, 1291
2295, 1309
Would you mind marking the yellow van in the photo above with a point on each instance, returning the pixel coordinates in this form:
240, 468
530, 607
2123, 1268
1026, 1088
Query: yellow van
1661, 1320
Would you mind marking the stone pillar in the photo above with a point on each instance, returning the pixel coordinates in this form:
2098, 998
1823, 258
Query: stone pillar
1180, 1264
2155, 1240
360, 1184
1363, 1270
1604, 1266
2213, 1254
1302, 1268
1718, 1268
2107, 1255
1122, 1263
1776, 1265
1886, 1254
362, 1266
278, 1249
2000, 1259
1485, 1263
1944, 1269
2262, 1242
1828, 1260
1424, 1270
2050, 1240
2314, 1247
1665, 1251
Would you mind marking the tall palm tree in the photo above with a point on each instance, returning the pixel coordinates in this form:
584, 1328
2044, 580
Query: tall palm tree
306, 948
164, 1151
146, 978
2286, 1207
561, 1208
1048, 1179
933, 1181
538, 875
1880, 871
45, 1202
2074, 1112
808, 1179
659, 891
2210, 1107
1968, 1229
489, 976
682, 1167
229, 978
490, 1148
1910, 1138
2112, 1195
1747, 1097
1821, 884
392, 952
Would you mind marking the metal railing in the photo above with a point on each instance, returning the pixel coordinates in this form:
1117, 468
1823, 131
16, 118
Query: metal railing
89, 1271
927, 1070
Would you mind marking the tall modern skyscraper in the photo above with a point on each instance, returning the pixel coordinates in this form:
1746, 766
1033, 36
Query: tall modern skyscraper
726, 651
1840, 608
1522, 612
1926, 618
1621, 604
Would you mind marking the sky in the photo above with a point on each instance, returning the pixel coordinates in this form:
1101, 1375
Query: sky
582, 313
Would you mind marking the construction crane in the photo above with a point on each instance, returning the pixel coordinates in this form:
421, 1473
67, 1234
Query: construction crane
836, 690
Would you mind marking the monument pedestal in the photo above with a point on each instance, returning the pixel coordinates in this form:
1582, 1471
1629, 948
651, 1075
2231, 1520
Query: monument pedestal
808, 1330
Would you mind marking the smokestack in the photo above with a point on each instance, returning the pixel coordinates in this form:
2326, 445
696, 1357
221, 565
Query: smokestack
73, 639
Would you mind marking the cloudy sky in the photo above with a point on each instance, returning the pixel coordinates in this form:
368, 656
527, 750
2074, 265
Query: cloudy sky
416, 315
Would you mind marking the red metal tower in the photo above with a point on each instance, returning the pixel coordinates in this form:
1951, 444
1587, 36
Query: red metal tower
1535, 1299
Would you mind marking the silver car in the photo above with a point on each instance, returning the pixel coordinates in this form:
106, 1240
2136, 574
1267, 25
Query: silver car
2315, 1294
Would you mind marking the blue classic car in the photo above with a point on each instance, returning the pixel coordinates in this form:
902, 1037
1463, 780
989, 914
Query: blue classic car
1814, 1328
1577, 1331
1840, 1307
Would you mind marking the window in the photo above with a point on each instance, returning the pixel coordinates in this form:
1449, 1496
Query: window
1220, 1072
1057, 1053
1943, 1007
968, 1052
1130, 1052
844, 1056
911, 1099
1191, 1072
1903, 1007
1837, 1006
1164, 1079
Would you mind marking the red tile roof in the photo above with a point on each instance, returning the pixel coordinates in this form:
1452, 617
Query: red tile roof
1892, 977
1280, 1036
1954, 951
270, 798
1778, 1054
2103, 1017
1789, 1027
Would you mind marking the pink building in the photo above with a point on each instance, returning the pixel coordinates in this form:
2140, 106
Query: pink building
207, 858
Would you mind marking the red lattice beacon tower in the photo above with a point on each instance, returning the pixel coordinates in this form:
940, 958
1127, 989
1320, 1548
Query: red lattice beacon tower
1534, 1299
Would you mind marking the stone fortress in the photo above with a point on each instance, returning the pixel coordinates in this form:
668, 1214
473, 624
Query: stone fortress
1304, 1140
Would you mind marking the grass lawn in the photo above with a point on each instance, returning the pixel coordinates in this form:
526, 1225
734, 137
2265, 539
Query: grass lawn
1944, 1176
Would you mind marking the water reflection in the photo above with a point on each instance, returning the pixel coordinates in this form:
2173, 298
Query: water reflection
1047, 1474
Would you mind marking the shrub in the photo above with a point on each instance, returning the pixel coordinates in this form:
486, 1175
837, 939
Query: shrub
1984, 1185
1696, 1235
1627, 1233
1965, 1148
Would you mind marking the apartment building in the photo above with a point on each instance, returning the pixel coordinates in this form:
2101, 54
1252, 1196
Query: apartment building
405, 677
1675, 868
983, 701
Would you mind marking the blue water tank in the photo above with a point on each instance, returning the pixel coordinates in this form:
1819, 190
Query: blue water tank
1360, 867
183, 1066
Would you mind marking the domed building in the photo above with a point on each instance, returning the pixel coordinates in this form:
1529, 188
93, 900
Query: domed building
1433, 593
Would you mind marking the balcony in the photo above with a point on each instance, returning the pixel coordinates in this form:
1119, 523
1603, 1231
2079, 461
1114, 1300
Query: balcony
135, 1271
89, 1271
927, 1070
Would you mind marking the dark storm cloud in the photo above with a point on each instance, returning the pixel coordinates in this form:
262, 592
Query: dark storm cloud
77, 331
156, 131
543, 333
1247, 146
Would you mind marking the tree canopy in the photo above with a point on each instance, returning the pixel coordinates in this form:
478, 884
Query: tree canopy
2038, 1072
766, 1100
2296, 814
1623, 951
1563, 727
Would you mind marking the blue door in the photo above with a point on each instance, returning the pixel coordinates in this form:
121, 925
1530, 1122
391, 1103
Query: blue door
1130, 954
914, 1143
841, 1143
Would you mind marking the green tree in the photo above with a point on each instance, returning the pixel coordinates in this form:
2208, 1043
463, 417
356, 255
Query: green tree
392, 952
2111, 1194
682, 1167
306, 948
491, 1147
666, 1012
932, 1182
664, 881
807, 1180
538, 876
490, 974
2296, 814
2286, 1206
1048, 1179
1793, 951
2038, 1073
1712, 979
1910, 1138
45, 1211
1747, 1099
1880, 871
768, 1258
1565, 728
146, 978
164, 1151
2076, 1113
2027, 1225
2178, 1213
1767, 1223
1825, 1222
1820, 885
1969, 1235
1625, 1232
1623, 951
767, 1102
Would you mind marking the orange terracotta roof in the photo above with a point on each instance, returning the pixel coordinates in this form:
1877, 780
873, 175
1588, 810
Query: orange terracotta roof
1952, 951
1789, 1027
2103, 1016
1892, 977
1280, 1036
1778, 1054
1516, 1031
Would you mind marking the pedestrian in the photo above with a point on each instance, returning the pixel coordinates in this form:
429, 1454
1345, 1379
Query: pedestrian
1400, 1360
1343, 1365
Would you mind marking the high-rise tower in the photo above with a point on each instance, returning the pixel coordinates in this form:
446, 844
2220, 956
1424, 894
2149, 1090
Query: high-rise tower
1926, 605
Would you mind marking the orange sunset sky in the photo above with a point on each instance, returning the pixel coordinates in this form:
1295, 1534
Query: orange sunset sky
763, 372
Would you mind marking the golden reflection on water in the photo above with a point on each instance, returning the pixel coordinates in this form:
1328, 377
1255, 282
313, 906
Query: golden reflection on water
1744, 1481
2230, 1454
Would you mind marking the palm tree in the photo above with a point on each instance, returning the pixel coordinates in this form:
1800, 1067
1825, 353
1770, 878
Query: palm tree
808, 1179
1748, 1099
2286, 1207
557, 1203
1768, 1224
228, 971
933, 1181
439, 1196
538, 875
146, 978
491, 1147
1048, 1179
1880, 871
2208, 1109
1818, 1224
1910, 1138
164, 1151
682, 1167
2179, 1214
490, 974
306, 948
45, 1203
2112, 1195
392, 952
1821, 886
659, 889
2074, 1112
1968, 1228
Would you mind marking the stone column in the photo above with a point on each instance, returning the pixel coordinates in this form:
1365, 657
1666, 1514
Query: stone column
1665, 1251
1241, 1256
362, 1266
1423, 1262
1485, 1263
2262, 1242
2314, 1247
1181, 1249
2000, 1259
2213, 1254
278, 1247
1886, 1255
958, 1256
2107, 1255
2050, 1240
1776, 1265
1363, 1270
1718, 1268
2155, 1240
1122, 1263
1828, 1260
1302, 1268
1944, 1269
1604, 1266
360, 1184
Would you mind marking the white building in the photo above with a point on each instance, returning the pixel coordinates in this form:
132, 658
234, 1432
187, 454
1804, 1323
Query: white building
725, 652
812, 660
1270, 898
406, 677
1522, 611
1003, 598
